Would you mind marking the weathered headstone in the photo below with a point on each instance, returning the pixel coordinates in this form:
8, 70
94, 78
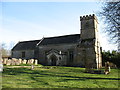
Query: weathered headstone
36, 62
5, 61
20, 61
17, 62
24, 61
28, 62
8, 62
32, 61
12, 61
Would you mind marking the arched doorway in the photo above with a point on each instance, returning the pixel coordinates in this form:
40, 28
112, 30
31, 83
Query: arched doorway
53, 60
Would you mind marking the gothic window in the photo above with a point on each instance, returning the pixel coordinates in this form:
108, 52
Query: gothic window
23, 54
71, 56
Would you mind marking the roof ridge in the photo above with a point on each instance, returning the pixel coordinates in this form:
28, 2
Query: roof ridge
29, 41
62, 36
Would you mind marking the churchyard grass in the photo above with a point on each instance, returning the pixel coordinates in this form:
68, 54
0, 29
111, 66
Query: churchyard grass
57, 77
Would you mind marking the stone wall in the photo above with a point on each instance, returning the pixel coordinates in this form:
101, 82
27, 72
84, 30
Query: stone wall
18, 54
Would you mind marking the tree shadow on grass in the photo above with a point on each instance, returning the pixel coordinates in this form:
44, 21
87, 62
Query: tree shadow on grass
36, 73
79, 78
38, 80
14, 71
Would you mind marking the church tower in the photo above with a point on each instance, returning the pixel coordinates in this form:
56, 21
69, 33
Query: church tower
89, 27
90, 51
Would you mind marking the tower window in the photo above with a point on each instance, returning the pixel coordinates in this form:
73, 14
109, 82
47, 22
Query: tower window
23, 54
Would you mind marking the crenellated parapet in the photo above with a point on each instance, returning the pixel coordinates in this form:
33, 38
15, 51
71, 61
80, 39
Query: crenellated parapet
88, 17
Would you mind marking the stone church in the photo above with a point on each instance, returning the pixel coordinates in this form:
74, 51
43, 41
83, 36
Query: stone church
67, 50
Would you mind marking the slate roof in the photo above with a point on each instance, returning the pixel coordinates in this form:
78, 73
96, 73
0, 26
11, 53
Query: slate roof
67, 39
30, 45
26, 45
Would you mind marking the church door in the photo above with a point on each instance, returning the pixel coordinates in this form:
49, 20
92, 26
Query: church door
53, 60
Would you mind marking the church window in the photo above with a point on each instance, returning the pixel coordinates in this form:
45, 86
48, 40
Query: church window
71, 56
23, 54
60, 58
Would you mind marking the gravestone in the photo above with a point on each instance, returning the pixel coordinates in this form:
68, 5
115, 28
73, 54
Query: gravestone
24, 61
29, 61
107, 68
36, 62
20, 61
12, 61
5, 61
8, 62
17, 62
32, 61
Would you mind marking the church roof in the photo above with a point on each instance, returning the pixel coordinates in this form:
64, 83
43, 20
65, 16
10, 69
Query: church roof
61, 39
26, 45
30, 45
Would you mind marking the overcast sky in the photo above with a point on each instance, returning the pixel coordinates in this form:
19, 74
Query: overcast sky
22, 21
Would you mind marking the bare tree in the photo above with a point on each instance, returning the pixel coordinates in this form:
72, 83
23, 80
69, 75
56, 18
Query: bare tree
111, 14
3, 50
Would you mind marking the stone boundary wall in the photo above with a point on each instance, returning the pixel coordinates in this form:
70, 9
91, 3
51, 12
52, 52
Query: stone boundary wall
15, 61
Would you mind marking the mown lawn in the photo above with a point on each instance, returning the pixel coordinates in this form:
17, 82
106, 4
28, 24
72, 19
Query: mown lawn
57, 77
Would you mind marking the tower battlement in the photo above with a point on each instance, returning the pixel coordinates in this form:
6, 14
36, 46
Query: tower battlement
88, 17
